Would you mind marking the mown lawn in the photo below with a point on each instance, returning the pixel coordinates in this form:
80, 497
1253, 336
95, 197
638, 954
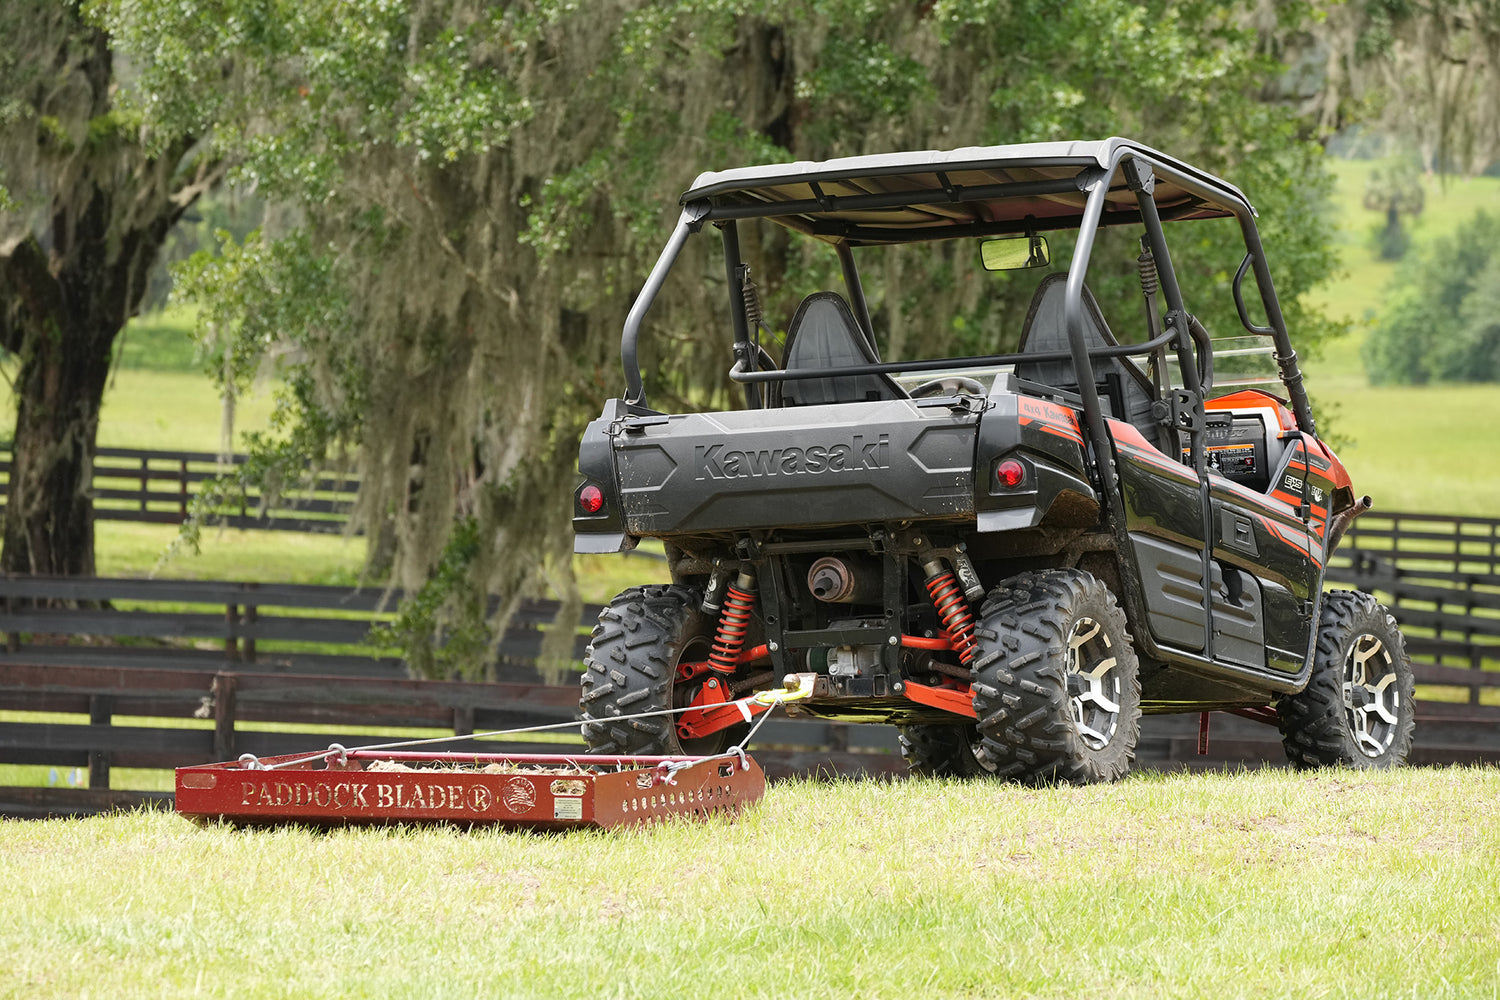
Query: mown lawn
1267, 884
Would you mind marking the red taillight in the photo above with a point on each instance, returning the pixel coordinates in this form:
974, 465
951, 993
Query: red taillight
590, 499
1010, 473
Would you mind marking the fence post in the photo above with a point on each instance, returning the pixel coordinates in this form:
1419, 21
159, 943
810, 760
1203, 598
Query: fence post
182, 490
232, 632
224, 691
463, 720
247, 646
100, 714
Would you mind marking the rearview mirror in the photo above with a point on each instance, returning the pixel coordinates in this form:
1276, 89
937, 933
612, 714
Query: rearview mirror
1010, 253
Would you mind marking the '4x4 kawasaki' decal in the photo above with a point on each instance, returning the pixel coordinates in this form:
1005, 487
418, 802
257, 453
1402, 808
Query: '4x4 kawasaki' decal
718, 461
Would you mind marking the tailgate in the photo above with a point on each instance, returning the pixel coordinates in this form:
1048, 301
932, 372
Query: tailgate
804, 466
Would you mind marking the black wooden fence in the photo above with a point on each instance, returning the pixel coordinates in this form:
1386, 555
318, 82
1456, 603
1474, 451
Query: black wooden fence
158, 487
236, 667
169, 673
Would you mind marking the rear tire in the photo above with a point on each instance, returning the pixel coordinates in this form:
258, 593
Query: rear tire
1056, 682
941, 751
631, 662
1357, 709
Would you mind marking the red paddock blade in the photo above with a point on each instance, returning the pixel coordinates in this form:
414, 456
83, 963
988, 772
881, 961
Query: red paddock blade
538, 792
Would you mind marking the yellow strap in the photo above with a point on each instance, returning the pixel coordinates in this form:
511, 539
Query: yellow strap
778, 696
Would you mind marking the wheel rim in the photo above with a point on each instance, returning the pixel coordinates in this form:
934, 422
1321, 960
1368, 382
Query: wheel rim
1372, 697
1093, 683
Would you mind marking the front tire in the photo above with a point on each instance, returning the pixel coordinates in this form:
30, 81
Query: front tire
1358, 708
1056, 682
631, 662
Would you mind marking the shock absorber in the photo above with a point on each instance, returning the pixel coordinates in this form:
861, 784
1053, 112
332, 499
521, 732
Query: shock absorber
952, 607
734, 622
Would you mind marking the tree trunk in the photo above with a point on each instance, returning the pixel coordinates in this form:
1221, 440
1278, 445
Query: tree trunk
49, 514
66, 290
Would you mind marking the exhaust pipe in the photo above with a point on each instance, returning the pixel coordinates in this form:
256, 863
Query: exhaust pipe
1342, 521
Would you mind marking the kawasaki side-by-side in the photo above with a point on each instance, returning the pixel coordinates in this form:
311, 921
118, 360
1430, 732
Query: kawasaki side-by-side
1014, 556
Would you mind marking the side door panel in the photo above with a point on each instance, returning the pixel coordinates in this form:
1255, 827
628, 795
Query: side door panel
1164, 518
1264, 535
1262, 578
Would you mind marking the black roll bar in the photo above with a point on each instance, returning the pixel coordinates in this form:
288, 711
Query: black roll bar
689, 222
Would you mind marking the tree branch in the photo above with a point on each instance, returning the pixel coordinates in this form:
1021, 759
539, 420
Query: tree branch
207, 173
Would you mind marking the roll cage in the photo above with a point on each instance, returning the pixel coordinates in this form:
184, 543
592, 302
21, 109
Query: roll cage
976, 192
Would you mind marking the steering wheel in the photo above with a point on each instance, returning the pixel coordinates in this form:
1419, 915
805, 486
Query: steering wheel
949, 385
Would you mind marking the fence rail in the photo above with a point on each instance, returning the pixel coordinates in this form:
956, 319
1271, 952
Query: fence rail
158, 487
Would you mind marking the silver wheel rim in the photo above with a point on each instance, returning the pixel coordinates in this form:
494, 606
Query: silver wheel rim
1372, 698
1093, 677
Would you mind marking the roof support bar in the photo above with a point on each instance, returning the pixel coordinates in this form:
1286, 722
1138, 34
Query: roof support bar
1138, 173
688, 223
1286, 356
856, 292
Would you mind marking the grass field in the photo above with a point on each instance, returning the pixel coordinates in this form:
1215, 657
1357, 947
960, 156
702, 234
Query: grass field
1360, 290
1418, 449
1272, 884
126, 549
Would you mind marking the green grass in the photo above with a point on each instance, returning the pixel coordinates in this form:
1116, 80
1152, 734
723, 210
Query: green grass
1412, 448
171, 411
127, 549
162, 410
158, 395
161, 341
1420, 449
1273, 884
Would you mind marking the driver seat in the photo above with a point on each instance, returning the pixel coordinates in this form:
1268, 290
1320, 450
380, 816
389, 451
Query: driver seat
1126, 391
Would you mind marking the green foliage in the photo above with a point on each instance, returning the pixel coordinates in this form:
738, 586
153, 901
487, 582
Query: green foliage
1440, 321
226, 209
469, 196
276, 303
1419, 77
1395, 189
442, 628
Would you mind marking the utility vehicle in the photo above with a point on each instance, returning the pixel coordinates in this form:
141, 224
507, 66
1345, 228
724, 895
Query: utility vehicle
1009, 556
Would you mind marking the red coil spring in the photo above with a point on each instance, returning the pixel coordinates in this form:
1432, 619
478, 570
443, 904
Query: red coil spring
734, 622
953, 609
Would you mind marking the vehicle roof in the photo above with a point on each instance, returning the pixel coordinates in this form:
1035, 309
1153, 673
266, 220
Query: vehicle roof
941, 194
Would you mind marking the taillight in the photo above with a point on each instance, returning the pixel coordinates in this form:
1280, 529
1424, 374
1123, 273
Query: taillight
1010, 473
590, 499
